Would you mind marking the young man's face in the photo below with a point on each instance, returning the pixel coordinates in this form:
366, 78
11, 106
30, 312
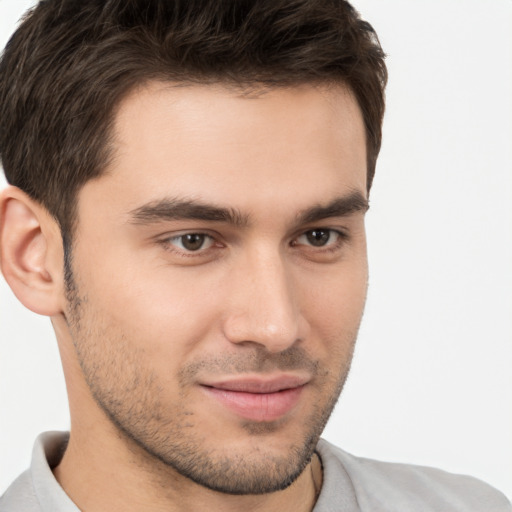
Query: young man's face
219, 277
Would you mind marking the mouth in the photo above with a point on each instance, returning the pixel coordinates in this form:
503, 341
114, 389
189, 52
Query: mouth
258, 399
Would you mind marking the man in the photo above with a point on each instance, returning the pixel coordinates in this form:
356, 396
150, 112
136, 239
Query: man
188, 188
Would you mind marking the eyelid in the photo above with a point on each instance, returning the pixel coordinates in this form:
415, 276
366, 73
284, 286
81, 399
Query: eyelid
216, 241
208, 241
167, 242
341, 235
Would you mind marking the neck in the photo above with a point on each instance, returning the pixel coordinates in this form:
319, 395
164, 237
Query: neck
108, 472
104, 470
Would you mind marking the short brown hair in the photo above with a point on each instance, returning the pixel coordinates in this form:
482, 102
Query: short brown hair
71, 62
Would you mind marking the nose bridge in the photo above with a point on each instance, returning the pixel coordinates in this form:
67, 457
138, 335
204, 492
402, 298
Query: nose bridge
264, 308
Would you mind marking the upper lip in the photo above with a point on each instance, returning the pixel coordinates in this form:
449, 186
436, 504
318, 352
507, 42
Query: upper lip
259, 384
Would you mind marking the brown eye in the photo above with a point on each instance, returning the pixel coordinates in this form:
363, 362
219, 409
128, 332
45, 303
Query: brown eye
318, 237
191, 242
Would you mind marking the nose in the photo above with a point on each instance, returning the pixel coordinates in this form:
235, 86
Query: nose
263, 305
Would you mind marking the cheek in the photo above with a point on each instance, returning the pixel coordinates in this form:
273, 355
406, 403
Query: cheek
162, 311
337, 298
333, 308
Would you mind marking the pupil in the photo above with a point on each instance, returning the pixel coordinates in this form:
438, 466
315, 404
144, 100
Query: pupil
193, 242
318, 237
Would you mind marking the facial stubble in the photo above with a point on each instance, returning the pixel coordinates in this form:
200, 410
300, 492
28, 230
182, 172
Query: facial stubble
166, 435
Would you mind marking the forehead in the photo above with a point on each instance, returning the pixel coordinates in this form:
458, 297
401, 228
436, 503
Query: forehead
218, 144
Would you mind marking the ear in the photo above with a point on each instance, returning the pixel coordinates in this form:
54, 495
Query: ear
31, 253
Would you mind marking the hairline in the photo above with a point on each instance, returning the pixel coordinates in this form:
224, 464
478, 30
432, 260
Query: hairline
246, 89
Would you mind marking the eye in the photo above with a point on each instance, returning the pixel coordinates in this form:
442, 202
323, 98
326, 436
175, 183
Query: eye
191, 242
319, 237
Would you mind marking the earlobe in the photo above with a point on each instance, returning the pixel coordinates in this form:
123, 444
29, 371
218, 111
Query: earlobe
31, 256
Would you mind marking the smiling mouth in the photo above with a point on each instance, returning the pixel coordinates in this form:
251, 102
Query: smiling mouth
256, 399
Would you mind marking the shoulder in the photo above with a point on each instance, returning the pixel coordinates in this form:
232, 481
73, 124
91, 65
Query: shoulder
20, 496
384, 486
36, 489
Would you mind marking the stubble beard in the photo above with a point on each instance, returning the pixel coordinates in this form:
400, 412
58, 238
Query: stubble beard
165, 436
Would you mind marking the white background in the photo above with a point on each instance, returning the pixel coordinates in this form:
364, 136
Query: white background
432, 378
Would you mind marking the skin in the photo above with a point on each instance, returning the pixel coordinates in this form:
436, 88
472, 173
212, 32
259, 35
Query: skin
147, 326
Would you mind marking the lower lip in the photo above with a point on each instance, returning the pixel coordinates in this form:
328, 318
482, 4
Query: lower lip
257, 406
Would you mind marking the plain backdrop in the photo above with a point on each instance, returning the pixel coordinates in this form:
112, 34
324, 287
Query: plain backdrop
432, 377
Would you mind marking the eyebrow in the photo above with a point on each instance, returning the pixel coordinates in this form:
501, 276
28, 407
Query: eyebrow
343, 206
185, 209
168, 209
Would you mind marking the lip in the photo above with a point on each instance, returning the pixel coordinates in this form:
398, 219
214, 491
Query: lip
258, 399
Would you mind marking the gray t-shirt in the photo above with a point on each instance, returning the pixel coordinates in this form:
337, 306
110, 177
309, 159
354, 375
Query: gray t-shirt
350, 484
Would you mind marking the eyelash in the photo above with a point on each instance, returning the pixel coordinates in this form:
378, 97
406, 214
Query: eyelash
168, 244
341, 238
330, 246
